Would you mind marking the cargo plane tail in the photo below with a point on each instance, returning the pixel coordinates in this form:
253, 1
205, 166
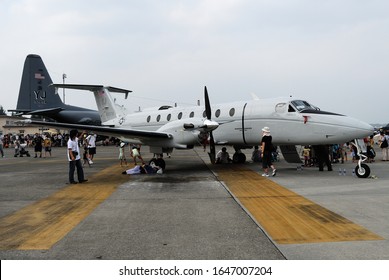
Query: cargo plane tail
37, 98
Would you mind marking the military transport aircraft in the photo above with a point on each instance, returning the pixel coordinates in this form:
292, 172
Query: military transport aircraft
292, 122
37, 98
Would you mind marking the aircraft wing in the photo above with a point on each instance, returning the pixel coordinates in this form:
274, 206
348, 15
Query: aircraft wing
142, 135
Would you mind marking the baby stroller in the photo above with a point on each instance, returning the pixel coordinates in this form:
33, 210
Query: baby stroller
21, 150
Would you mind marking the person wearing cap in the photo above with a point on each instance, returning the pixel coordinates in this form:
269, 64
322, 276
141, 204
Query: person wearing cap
267, 148
122, 155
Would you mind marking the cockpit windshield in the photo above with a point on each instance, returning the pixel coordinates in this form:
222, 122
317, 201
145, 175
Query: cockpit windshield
302, 105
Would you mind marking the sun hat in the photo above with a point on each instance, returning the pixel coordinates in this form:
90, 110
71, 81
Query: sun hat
266, 129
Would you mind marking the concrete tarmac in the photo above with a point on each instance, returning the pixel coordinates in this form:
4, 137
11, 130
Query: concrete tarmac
185, 213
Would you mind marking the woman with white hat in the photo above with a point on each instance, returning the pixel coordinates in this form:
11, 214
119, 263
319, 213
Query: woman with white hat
122, 155
267, 148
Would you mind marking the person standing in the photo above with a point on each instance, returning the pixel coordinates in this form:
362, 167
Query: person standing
122, 155
384, 141
1, 145
266, 149
74, 158
47, 145
322, 156
38, 145
91, 140
306, 155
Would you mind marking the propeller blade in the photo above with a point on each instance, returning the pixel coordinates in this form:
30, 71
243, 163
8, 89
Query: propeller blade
208, 111
212, 149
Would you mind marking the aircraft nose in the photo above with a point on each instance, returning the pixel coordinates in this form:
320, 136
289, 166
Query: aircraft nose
362, 129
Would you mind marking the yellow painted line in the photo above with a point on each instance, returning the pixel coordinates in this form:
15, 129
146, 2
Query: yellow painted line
43, 223
287, 217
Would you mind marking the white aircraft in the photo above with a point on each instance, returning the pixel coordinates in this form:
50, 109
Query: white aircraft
292, 122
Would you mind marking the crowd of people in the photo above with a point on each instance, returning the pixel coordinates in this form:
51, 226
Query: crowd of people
31, 140
341, 153
265, 152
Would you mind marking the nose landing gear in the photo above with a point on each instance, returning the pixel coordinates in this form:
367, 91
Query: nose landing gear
362, 170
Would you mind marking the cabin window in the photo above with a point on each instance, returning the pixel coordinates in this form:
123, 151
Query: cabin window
217, 113
204, 114
169, 117
232, 112
191, 115
180, 115
158, 118
148, 119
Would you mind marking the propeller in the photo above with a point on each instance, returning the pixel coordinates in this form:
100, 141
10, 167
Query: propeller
208, 113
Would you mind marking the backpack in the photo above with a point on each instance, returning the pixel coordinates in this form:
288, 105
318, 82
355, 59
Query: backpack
384, 144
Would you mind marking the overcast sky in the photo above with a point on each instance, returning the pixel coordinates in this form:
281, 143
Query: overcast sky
334, 54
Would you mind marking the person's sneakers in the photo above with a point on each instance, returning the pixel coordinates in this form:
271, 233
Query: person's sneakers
274, 172
265, 175
74, 182
83, 181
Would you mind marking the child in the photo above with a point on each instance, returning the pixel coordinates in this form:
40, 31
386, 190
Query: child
122, 155
85, 155
306, 154
135, 153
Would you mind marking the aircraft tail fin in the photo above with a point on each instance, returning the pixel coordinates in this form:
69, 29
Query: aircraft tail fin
109, 110
35, 93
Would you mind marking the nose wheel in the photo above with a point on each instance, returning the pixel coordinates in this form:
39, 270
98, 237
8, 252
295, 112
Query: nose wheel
362, 171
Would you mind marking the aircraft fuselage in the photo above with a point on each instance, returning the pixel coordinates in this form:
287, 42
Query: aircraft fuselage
291, 121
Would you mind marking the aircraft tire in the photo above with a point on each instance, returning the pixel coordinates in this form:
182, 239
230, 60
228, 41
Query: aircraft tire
362, 172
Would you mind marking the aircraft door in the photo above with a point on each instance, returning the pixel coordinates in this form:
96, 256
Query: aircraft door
249, 126
232, 129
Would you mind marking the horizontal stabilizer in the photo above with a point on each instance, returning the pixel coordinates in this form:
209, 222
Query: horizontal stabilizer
20, 112
93, 88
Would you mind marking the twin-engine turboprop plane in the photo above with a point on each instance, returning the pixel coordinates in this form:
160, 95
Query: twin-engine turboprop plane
292, 122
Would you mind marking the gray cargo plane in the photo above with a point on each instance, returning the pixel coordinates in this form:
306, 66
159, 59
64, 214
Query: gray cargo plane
37, 98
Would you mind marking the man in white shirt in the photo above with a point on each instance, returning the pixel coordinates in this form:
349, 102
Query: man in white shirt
74, 158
